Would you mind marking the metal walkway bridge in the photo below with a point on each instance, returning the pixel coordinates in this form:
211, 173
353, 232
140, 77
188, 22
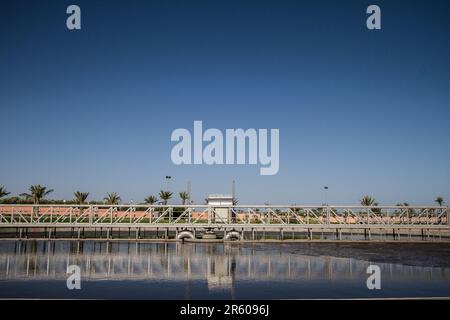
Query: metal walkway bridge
232, 220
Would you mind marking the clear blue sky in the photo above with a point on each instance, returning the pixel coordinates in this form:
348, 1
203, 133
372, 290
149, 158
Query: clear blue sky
363, 112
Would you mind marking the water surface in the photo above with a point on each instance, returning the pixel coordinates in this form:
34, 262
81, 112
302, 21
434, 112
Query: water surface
132, 270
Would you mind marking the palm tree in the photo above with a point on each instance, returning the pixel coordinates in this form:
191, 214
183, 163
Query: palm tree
80, 197
151, 200
184, 197
37, 193
112, 198
367, 201
439, 200
3, 191
165, 196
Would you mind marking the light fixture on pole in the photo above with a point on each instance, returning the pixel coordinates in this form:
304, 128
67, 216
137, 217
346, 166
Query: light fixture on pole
167, 182
325, 188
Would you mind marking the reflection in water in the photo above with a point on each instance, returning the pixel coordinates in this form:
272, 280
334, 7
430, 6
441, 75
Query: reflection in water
221, 266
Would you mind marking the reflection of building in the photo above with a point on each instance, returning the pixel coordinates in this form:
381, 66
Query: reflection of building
218, 273
220, 203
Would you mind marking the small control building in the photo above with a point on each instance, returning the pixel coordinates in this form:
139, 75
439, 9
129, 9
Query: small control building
221, 204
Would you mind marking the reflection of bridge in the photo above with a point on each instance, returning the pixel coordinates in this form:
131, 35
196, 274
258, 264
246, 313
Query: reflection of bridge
243, 220
218, 265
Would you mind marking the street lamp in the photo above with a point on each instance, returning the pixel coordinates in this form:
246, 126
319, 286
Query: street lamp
325, 188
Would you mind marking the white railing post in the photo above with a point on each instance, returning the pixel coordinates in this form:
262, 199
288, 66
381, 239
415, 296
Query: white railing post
91, 213
448, 216
209, 215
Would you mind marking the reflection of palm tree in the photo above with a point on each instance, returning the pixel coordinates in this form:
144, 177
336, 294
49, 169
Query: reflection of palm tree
233, 276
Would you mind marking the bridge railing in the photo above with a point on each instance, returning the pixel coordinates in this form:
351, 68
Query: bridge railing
178, 215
